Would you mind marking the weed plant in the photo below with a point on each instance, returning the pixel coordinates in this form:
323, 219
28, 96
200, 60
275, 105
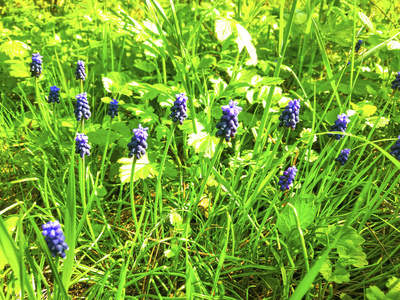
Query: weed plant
262, 201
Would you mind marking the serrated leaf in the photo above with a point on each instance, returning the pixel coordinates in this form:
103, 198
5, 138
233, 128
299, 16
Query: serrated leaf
223, 29
338, 275
203, 143
382, 122
15, 49
306, 211
143, 169
393, 45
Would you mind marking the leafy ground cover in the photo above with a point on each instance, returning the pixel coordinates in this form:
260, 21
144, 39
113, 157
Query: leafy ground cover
290, 191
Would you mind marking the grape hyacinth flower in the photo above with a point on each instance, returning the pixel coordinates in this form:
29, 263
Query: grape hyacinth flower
178, 111
113, 109
138, 144
54, 95
396, 82
396, 149
80, 70
82, 146
343, 156
55, 238
36, 65
82, 107
340, 125
290, 116
287, 179
229, 121
358, 46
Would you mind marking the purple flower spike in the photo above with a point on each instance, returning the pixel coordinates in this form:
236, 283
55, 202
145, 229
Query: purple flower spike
80, 70
55, 238
340, 125
113, 109
229, 121
343, 156
396, 82
287, 179
138, 144
396, 149
82, 146
36, 65
290, 116
358, 46
54, 95
178, 111
82, 108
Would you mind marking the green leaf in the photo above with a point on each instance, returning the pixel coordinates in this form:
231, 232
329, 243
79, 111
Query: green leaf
331, 116
339, 275
306, 212
244, 40
223, 28
366, 21
145, 113
374, 293
382, 122
203, 143
143, 169
10, 225
15, 49
99, 137
117, 83
121, 128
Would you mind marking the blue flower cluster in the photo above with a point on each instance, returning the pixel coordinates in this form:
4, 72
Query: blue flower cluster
229, 121
80, 70
55, 238
36, 65
82, 146
290, 116
113, 109
178, 111
396, 149
396, 82
138, 144
343, 156
340, 125
358, 46
54, 95
82, 107
287, 179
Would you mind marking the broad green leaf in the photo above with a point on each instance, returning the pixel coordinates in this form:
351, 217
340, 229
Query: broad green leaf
306, 211
244, 40
15, 49
374, 293
121, 128
117, 83
144, 112
203, 143
223, 28
382, 122
99, 137
10, 225
338, 275
366, 21
143, 169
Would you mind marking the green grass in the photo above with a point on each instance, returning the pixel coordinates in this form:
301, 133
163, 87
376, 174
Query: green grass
200, 218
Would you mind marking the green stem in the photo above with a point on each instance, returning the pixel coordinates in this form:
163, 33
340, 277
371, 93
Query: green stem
164, 158
105, 153
132, 196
